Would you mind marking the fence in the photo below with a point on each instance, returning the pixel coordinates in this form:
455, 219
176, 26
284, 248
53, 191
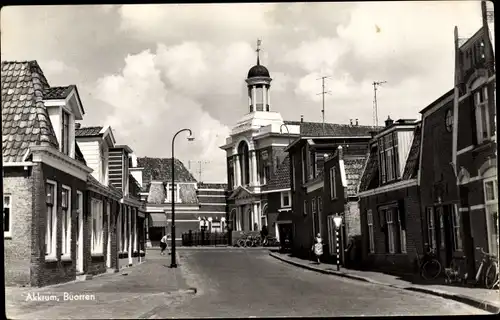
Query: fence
204, 238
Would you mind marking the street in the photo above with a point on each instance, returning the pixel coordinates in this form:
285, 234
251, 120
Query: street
229, 283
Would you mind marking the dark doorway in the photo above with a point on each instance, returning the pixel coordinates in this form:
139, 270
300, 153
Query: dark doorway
444, 237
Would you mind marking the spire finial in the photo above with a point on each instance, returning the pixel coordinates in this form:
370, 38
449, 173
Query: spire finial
258, 51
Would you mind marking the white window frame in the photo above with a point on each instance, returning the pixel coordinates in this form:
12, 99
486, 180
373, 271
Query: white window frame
176, 193
313, 205
7, 204
490, 227
305, 207
333, 183
402, 233
482, 114
457, 237
431, 228
79, 258
303, 158
51, 230
391, 230
371, 239
288, 194
97, 243
65, 132
119, 227
312, 164
320, 211
66, 221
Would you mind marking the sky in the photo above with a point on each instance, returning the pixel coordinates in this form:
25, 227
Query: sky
151, 70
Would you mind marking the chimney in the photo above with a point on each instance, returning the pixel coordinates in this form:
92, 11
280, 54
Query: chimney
340, 152
388, 122
350, 120
357, 123
77, 125
301, 118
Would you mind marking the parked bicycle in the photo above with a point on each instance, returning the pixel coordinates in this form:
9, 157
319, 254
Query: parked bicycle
455, 273
487, 273
270, 241
429, 266
242, 241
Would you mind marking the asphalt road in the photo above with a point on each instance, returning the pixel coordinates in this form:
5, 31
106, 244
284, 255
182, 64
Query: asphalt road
239, 283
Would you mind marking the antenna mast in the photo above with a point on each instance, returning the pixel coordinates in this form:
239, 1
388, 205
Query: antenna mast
200, 169
375, 106
323, 92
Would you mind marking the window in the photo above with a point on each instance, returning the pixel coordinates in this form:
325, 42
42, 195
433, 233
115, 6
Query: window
304, 159
65, 132
371, 238
333, 180
51, 224
313, 205
457, 238
449, 120
104, 167
312, 165
491, 206
439, 212
267, 173
285, 199
169, 193
482, 114
320, 210
7, 221
431, 229
66, 220
402, 233
305, 207
389, 163
391, 230
292, 159
97, 226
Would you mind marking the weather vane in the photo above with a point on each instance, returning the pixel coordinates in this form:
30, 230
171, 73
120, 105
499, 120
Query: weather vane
258, 50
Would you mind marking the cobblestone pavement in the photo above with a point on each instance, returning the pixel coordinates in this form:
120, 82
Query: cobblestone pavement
133, 293
251, 283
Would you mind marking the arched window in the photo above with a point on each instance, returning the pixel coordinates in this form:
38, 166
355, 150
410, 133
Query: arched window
244, 163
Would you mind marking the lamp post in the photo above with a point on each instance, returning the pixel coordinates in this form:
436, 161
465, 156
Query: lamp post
286, 127
190, 138
338, 221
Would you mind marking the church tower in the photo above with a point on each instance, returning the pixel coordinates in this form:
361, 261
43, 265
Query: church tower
258, 83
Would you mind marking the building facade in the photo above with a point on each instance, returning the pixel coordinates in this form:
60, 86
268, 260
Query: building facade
391, 224
475, 140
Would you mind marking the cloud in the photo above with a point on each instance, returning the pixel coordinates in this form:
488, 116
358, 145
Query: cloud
150, 113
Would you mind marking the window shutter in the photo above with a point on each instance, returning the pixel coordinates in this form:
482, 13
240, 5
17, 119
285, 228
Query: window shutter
402, 214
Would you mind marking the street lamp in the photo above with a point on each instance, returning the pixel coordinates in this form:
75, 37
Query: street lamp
337, 220
286, 127
190, 138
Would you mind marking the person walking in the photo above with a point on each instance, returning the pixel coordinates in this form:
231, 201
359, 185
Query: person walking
163, 244
318, 247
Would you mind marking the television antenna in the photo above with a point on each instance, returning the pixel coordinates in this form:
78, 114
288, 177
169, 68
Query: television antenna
323, 92
375, 106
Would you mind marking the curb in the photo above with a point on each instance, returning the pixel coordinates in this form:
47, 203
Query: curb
483, 305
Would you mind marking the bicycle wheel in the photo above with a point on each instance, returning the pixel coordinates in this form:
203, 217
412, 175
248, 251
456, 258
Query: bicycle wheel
491, 276
241, 243
431, 269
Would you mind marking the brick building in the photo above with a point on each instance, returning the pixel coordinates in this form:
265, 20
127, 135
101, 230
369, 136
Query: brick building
307, 156
438, 190
391, 225
474, 140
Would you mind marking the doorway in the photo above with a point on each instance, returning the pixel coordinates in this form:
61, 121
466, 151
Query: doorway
79, 233
444, 237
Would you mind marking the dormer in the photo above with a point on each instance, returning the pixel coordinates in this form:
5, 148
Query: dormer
95, 143
64, 108
393, 145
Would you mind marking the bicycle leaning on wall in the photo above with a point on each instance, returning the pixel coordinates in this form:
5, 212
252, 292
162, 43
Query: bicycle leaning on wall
428, 265
487, 273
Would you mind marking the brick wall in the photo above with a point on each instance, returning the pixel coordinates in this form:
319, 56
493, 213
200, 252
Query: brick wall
352, 219
381, 259
51, 272
18, 183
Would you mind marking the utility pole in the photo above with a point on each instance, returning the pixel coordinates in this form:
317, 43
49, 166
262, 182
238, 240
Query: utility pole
375, 106
323, 92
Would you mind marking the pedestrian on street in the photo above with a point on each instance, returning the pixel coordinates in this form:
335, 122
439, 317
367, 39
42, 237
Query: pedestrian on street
163, 244
318, 247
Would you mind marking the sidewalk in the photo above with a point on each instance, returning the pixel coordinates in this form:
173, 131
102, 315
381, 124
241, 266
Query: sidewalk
132, 293
488, 300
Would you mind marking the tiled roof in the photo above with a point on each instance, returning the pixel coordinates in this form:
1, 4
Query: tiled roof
79, 155
281, 179
160, 169
412, 163
353, 170
25, 120
88, 131
332, 129
57, 92
202, 185
369, 178
156, 193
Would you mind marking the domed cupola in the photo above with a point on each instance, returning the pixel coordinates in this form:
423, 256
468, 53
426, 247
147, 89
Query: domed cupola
258, 83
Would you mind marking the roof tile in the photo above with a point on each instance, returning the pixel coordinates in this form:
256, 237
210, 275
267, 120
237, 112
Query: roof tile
281, 179
57, 92
369, 177
160, 169
88, 131
412, 163
23, 84
333, 129
353, 170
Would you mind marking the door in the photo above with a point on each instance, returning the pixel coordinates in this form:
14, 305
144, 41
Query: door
443, 234
108, 249
79, 233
